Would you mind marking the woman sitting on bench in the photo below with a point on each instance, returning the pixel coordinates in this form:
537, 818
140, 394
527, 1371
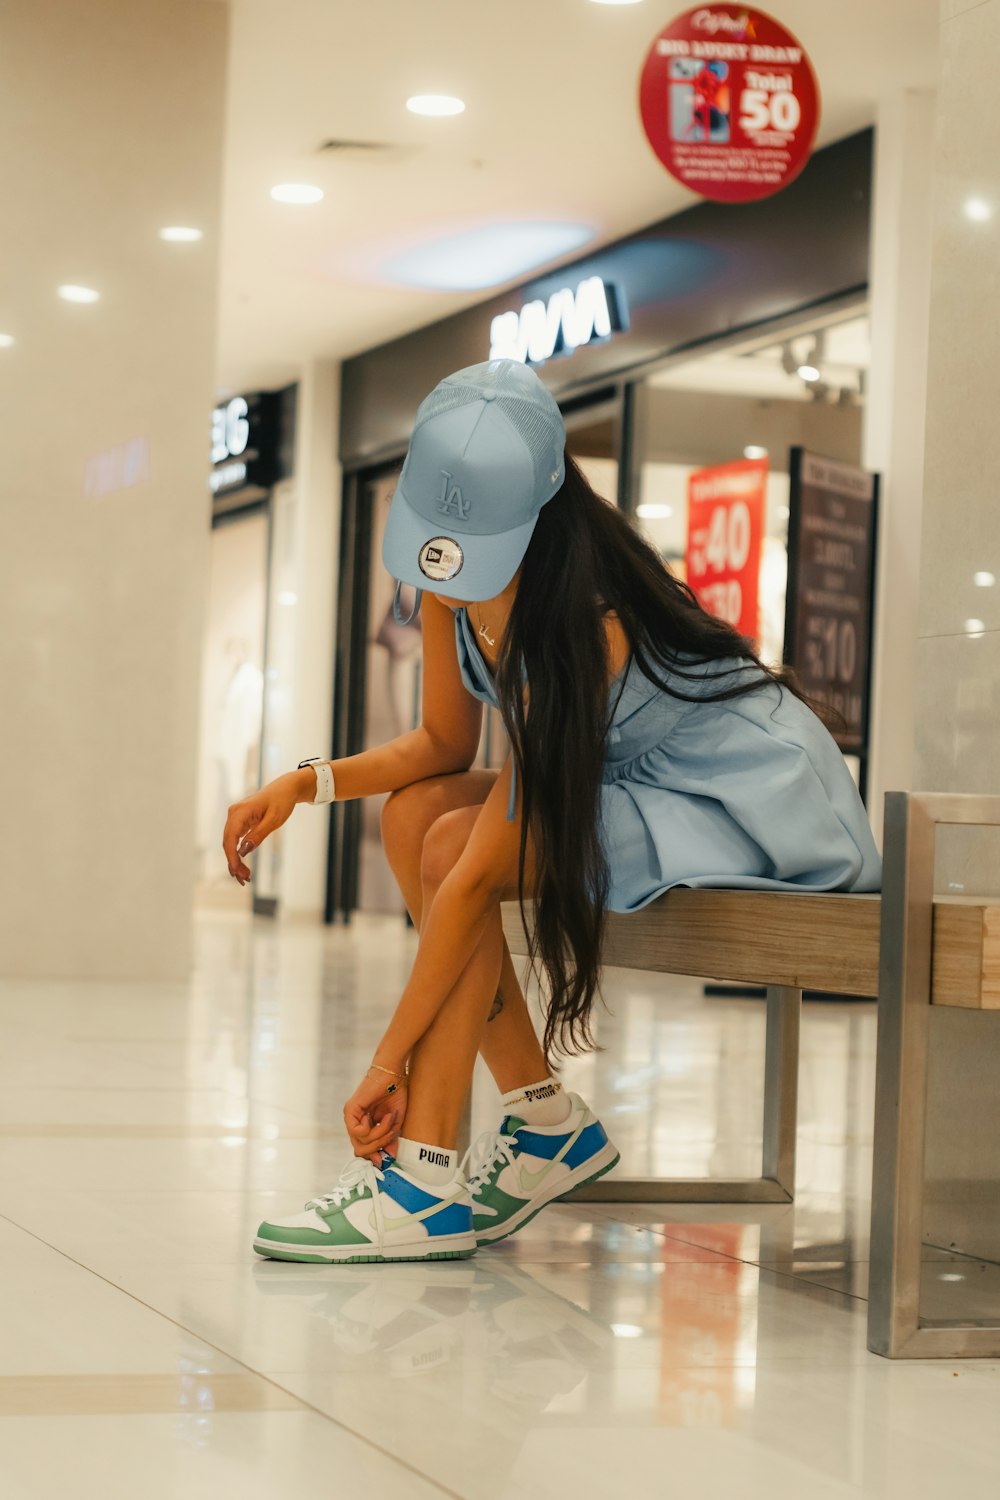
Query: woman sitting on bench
650, 747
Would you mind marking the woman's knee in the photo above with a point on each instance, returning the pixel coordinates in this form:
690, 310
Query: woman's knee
444, 844
409, 813
406, 816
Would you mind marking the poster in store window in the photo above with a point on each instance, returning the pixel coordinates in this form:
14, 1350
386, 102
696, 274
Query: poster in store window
830, 598
725, 525
729, 102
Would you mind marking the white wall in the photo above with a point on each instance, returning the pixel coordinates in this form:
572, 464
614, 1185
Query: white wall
110, 128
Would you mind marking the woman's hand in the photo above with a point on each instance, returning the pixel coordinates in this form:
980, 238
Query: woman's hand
250, 821
374, 1115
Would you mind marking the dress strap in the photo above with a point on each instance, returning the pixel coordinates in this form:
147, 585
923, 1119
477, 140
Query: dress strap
512, 800
397, 609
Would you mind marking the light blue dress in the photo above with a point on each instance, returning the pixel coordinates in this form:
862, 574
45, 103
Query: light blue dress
751, 793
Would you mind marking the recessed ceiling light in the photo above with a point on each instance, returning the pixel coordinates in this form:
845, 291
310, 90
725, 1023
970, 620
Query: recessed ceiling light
974, 628
288, 597
435, 104
179, 233
79, 294
6, 339
984, 580
296, 192
653, 512
626, 1330
808, 372
483, 257
753, 450
978, 210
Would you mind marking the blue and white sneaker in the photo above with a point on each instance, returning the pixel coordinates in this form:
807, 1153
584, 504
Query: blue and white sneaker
514, 1172
375, 1214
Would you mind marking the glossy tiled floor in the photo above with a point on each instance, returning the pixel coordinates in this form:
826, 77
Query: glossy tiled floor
145, 1130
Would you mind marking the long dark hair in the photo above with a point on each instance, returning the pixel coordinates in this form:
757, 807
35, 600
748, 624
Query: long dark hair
585, 559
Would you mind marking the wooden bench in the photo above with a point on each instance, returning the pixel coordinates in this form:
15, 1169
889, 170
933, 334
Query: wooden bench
909, 948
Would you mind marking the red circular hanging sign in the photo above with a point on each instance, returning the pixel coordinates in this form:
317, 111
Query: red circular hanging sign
729, 102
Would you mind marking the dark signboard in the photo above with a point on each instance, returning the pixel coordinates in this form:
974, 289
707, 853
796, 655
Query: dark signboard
831, 575
244, 446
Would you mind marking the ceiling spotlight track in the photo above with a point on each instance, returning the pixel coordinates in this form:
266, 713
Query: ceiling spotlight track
359, 148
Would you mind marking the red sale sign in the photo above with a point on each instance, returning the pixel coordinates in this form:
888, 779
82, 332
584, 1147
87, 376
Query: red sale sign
725, 526
729, 102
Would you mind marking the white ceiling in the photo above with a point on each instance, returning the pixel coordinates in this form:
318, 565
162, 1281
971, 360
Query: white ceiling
551, 132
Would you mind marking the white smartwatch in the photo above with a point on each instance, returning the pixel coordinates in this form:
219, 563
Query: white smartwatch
325, 790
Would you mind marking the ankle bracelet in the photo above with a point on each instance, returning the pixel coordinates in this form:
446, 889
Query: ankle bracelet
549, 1092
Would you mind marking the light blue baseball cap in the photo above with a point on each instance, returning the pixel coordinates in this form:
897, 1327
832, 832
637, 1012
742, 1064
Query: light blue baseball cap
485, 455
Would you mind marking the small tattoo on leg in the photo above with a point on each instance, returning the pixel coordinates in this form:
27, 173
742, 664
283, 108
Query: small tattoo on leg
496, 1008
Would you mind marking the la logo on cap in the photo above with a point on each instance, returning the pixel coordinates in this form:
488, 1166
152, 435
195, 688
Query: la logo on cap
453, 502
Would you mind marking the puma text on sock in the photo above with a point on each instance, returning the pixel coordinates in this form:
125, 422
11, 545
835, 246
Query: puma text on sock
539, 1103
434, 1165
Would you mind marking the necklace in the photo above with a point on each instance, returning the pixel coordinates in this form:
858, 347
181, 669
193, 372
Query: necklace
490, 641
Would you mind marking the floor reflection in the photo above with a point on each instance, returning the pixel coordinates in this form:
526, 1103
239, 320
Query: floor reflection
603, 1349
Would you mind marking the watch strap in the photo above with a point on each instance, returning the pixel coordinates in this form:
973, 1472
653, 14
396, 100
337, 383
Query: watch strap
325, 784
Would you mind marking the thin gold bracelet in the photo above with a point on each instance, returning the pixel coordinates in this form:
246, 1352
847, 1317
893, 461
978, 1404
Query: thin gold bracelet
523, 1098
392, 1074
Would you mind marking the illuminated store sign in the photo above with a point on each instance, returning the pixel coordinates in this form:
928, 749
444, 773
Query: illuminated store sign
570, 319
244, 444
227, 477
230, 429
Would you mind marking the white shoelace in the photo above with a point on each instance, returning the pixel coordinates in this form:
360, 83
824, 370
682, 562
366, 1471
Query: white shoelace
482, 1157
356, 1176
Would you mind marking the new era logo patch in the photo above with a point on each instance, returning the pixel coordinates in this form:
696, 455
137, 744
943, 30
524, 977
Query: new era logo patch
440, 558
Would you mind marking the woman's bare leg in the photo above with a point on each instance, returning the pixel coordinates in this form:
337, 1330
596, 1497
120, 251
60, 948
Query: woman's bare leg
508, 1042
441, 1063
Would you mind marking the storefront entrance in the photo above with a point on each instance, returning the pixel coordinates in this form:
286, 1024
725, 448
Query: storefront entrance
743, 335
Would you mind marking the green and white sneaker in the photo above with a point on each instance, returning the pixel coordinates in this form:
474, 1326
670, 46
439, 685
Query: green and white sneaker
375, 1214
514, 1172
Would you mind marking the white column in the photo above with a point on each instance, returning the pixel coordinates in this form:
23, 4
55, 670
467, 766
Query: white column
893, 439
111, 127
958, 646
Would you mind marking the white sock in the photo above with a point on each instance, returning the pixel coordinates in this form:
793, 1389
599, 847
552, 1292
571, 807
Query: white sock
434, 1165
544, 1103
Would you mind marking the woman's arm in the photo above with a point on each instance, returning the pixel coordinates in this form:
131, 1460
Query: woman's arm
445, 741
485, 873
447, 737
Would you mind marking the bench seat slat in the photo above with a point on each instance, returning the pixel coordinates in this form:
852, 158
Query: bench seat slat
801, 941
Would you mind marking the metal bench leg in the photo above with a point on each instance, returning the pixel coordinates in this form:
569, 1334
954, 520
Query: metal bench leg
776, 1184
781, 1087
904, 1000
